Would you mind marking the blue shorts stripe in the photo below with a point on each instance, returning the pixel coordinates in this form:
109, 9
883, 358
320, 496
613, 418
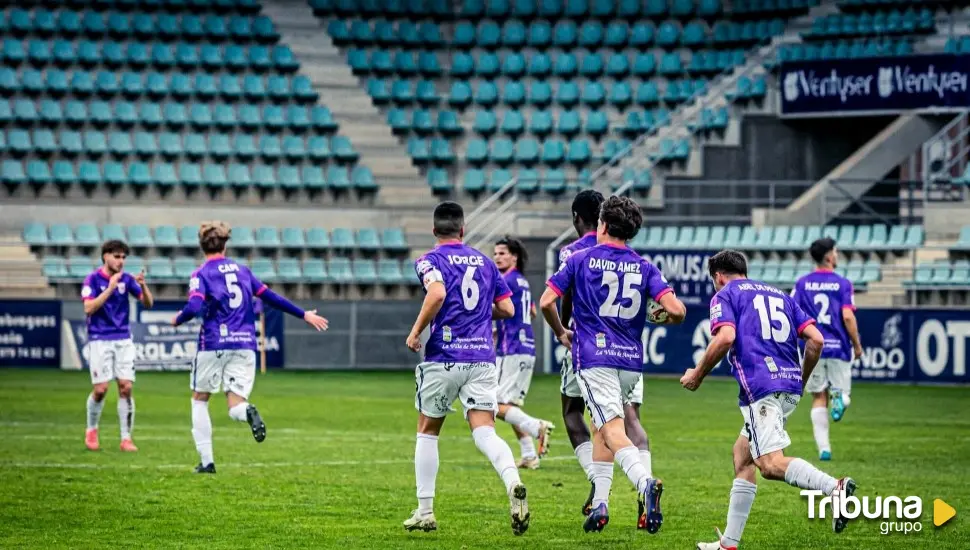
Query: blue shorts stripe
420, 385
751, 430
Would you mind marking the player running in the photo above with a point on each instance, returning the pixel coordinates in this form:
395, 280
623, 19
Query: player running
111, 353
461, 286
586, 212
829, 298
611, 285
516, 355
227, 341
757, 326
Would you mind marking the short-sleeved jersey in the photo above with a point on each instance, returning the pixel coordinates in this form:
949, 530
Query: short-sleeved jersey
610, 286
514, 335
586, 241
111, 321
768, 322
461, 332
823, 294
228, 321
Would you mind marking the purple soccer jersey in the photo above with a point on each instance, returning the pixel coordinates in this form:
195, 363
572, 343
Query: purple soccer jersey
768, 322
515, 335
610, 285
461, 332
111, 322
227, 289
586, 241
824, 294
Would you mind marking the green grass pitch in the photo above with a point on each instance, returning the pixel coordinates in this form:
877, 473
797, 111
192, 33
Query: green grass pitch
336, 469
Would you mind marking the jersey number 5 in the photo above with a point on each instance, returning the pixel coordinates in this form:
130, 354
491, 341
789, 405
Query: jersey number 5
610, 308
235, 293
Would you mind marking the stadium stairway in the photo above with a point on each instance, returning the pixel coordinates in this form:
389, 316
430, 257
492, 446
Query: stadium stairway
327, 69
20, 271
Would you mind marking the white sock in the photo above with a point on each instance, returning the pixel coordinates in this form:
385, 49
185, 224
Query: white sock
527, 447
238, 413
820, 427
602, 482
126, 416
94, 412
629, 460
647, 460
584, 453
845, 398
525, 423
742, 498
498, 452
803, 475
426, 470
202, 431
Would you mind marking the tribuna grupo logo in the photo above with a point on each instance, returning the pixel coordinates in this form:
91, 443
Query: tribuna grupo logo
898, 514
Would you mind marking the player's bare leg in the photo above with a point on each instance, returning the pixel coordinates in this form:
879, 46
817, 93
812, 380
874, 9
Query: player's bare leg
202, 433
95, 405
638, 436
425, 473
241, 410
820, 424
573, 409
126, 415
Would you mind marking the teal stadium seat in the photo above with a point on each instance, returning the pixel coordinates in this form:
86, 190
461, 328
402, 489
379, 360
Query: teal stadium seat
264, 270
61, 235
343, 239
317, 239
79, 267
340, 271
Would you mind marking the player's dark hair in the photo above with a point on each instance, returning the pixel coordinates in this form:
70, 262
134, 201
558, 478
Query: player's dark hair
213, 236
728, 262
517, 249
449, 218
622, 217
821, 248
114, 246
586, 206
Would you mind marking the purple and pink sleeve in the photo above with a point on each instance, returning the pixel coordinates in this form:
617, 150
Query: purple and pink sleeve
273, 299
802, 319
848, 296
502, 290
722, 313
656, 283
562, 280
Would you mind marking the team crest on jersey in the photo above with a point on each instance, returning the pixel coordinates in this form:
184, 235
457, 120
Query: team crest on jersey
715, 312
600, 340
121, 288
446, 333
194, 283
86, 291
423, 266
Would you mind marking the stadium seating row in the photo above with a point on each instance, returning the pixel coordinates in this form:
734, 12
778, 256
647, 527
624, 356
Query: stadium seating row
164, 26
215, 176
877, 23
941, 274
171, 145
414, 8
786, 272
242, 6
139, 54
243, 237
523, 8
202, 86
886, 46
293, 118
337, 270
781, 238
529, 180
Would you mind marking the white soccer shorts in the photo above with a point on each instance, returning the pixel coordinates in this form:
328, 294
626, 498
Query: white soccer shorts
230, 370
569, 385
605, 390
830, 373
111, 360
437, 385
514, 378
764, 422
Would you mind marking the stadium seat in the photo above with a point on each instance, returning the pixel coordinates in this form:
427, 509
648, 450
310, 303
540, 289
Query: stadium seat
166, 236
267, 237
343, 239
140, 235
317, 239
79, 267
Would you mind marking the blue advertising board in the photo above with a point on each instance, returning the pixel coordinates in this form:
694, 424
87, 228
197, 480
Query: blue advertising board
909, 346
163, 311
30, 333
878, 84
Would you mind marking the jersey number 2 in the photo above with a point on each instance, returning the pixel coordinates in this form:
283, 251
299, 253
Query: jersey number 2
610, 308
822, 301
774, 312
235, 293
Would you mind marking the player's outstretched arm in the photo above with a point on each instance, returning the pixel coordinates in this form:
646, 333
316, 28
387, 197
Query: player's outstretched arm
716, 350
147, 298
852, 328
813, 350
434, 298
676, 310
277, 301
190, 311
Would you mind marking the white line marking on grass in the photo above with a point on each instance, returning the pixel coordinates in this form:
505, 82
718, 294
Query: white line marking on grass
188, 467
